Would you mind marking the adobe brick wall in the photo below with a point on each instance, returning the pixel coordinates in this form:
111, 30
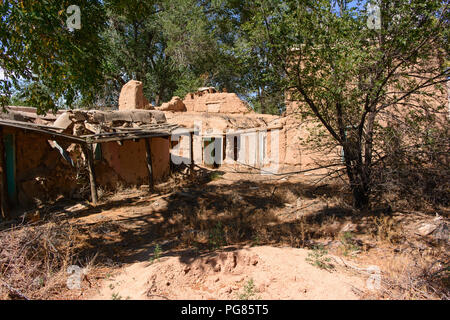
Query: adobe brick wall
128, 161
219, 102
43, 175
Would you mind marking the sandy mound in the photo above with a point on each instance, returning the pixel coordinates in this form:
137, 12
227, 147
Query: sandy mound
277, 273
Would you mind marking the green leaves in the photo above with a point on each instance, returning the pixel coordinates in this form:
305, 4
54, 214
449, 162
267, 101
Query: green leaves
259, 49
37, 46
345, 75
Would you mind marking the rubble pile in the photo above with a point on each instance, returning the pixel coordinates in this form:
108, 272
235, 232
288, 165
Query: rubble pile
82, 122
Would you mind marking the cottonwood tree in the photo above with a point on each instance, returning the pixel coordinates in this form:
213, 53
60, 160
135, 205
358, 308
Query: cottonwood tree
51, 63
136, 50
346, 74
244, 70
171, 46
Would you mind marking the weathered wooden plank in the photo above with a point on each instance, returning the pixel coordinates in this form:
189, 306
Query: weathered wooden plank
3, 199
148, 154
47, 130
127, 137
124, 131
88, 153
9, 144
191, 149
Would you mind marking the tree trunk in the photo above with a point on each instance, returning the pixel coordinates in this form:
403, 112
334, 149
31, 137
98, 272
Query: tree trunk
358, 177
360, 195
262, 101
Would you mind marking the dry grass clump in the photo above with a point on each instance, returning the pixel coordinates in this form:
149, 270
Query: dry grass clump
414, 275
34, 260
385, 228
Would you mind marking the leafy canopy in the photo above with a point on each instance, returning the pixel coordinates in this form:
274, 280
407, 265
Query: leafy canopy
50, 64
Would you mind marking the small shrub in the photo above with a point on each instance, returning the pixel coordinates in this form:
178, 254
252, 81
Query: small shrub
116, 296
318, 258
349, 245
249, 292
256, 240
215, 176
386, 229
156, 254
34, 259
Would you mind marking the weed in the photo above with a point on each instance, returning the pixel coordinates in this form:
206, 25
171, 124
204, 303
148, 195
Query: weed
39, 282
249, 292
156, 254
217, 237
215, 176
116, 296
349, 245
256, 240
386, 229
196, 249
111, 286
318, 258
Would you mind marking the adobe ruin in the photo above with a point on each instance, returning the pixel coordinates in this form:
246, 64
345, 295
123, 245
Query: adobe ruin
43, 154
240, 135
132, 97
45, 157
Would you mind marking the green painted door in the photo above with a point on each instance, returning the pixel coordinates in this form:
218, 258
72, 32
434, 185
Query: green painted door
10, 159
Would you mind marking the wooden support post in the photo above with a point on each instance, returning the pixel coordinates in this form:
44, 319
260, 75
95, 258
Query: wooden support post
169, 141
3, 189
191, 150
88, 153
148, 153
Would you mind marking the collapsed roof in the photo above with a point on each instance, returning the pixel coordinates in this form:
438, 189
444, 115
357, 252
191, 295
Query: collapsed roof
90, 126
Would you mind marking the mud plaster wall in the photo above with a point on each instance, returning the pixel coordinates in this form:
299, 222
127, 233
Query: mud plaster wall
296, 132
128, 161
41, 173
307, 157
215, 102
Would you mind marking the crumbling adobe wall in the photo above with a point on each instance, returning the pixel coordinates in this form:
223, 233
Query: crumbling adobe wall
299, 153
222, 111
175, 104
223, 102
128, 161
41, 173
121, 164
132, 97
222, 122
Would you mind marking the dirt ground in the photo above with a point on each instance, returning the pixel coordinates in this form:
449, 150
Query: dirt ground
223, 234
274, 273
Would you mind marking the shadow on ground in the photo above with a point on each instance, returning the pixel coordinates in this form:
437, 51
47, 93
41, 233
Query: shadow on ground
200, 212
205, 213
